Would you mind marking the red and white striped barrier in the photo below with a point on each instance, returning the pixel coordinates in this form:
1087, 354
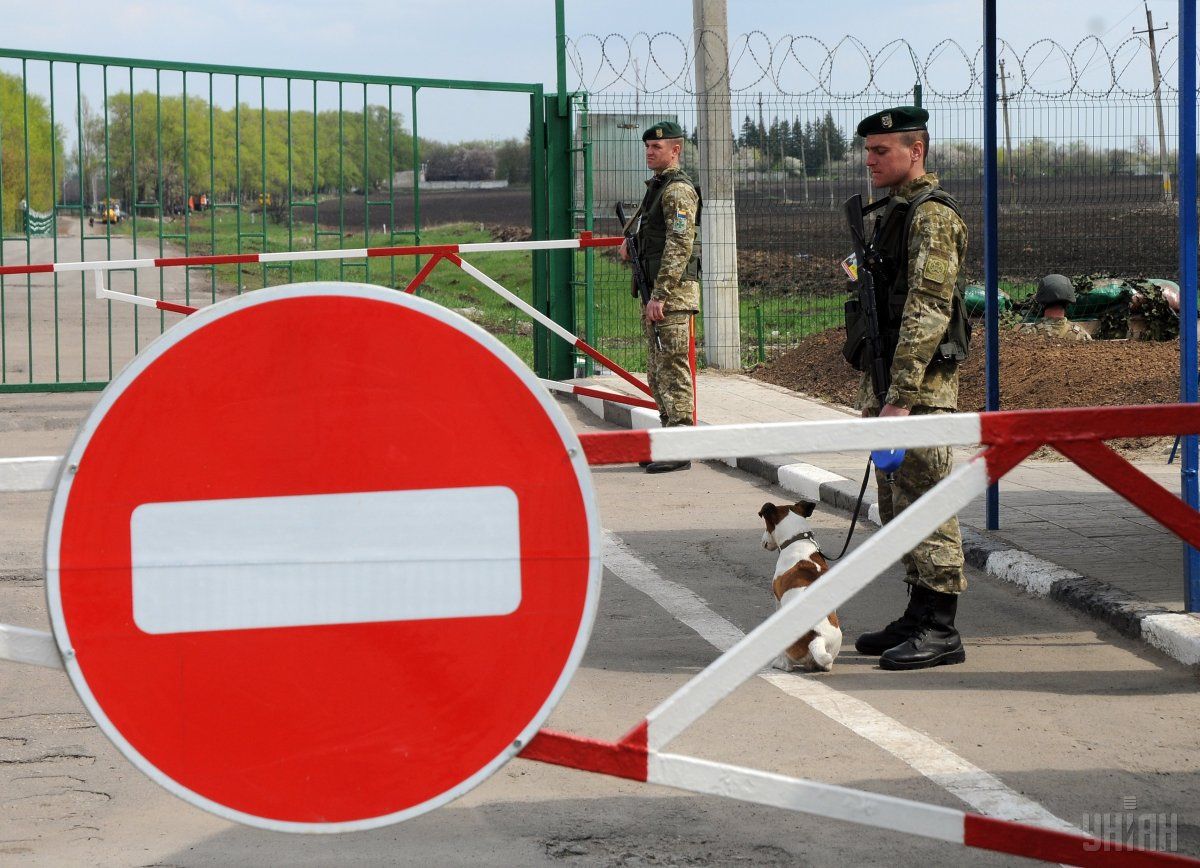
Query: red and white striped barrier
586, 240
436, 252
1007, 437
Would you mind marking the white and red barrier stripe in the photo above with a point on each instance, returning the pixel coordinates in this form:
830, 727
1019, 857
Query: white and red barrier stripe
1008, 438
584, 241
145, 301
602, 394
436, 252
633, 758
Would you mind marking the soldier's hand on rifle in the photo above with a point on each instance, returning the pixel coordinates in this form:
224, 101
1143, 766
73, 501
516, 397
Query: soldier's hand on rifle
654, 310
624, 250
893, 410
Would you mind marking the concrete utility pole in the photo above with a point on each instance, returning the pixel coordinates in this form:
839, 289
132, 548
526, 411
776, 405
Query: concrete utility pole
1162, 133
719, 286
1012, 174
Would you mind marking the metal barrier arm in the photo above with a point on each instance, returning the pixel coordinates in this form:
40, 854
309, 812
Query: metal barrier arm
29, 474
436, 252
298, 256
577, 342
20, 644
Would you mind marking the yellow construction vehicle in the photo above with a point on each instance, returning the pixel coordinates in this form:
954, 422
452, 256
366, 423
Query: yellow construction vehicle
107, 211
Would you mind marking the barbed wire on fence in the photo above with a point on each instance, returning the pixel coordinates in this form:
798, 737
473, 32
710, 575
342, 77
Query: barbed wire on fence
803, 65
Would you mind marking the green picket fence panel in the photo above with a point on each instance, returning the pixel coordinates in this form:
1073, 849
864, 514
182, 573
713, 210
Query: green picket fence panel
114, 158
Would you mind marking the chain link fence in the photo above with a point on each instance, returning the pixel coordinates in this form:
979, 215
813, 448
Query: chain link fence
1086, 157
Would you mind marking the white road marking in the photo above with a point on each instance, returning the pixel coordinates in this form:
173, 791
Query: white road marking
983, 791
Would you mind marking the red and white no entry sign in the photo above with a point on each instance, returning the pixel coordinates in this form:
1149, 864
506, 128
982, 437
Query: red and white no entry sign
323, 557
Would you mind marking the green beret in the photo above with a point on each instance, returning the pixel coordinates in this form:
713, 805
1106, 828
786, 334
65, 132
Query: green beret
900, 119
663, 130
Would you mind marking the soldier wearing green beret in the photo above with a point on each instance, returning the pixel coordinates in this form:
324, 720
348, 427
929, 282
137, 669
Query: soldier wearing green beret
921, 232
1054, 293
670, 257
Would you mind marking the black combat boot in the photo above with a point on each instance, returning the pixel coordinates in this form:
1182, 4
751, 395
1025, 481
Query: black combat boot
667, 466
936, 642
899, 630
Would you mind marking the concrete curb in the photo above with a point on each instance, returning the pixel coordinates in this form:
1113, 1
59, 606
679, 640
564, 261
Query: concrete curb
1174, 633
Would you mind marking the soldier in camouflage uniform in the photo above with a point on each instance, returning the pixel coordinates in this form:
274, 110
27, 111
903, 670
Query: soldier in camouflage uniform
670, 256
928, 246
1054, 293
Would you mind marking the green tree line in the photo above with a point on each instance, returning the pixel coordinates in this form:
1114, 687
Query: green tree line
236, 154
24, 120
815, 144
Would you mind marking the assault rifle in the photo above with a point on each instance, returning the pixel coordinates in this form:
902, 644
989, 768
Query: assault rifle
640, 282
631, 247
863, 309
863, 335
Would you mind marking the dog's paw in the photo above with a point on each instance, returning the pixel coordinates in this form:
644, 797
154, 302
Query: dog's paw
784, 662
822, 662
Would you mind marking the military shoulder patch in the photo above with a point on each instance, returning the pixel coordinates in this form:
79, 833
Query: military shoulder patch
935, 269
681, 222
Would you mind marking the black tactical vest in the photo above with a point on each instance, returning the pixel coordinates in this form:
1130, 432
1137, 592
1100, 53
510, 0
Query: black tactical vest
890, 239
652, 228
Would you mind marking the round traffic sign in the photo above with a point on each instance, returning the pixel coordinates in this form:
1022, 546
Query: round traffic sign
323, 557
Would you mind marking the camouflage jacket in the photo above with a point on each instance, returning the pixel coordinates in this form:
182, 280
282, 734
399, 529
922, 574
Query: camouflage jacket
679, 203
937, 244
1059, 327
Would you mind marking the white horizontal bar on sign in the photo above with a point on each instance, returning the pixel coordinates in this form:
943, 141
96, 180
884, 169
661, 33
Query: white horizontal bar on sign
29, 474
22, 645
787, 438
297, 256
495, 246
105, 265
295, 561
811, 797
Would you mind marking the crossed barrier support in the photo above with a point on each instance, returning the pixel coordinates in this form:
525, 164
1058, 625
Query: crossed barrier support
1007, 438
436, 252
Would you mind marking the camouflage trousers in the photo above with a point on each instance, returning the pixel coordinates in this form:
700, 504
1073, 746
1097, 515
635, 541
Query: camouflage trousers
667, 367
937, 561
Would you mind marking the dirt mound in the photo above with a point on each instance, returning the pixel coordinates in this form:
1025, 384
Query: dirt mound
502, 232
1034, 373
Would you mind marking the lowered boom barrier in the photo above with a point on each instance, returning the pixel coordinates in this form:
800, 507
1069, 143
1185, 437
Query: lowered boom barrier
436, 252
1007, 438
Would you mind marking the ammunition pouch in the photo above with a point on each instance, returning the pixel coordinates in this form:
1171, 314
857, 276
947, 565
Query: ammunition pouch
856, 349
956, 343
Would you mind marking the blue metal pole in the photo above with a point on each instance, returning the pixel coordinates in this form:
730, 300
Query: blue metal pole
1188, 370
991, 227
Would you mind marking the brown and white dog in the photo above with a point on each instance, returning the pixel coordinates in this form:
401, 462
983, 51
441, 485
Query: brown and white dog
800, 564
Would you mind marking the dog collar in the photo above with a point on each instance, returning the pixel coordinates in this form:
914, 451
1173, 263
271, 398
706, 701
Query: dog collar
808, 534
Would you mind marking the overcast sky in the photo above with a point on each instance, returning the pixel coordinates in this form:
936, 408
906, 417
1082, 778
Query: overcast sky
513, 40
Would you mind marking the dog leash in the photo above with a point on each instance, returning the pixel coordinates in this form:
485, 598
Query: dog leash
857, 508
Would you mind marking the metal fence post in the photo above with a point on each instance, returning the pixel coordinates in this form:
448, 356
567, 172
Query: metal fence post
559, 182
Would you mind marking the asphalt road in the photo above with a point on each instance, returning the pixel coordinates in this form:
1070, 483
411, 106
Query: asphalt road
1050, 717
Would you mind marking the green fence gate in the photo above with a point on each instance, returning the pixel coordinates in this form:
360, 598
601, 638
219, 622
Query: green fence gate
115, 158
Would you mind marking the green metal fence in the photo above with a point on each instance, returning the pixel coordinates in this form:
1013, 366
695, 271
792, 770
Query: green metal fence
140, 158
1086, 165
